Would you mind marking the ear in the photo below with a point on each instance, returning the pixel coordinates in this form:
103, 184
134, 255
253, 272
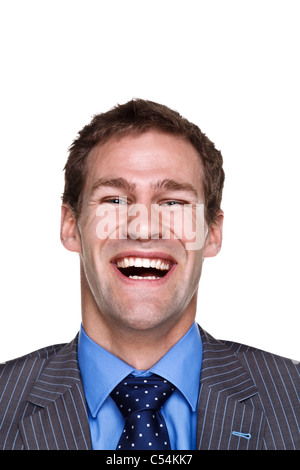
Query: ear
69, 233
214, 237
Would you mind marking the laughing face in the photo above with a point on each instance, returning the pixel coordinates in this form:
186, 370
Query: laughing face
137, 272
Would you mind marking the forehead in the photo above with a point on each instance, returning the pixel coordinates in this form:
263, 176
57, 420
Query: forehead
145, 158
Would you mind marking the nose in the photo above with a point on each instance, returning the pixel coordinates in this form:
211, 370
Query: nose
143, 222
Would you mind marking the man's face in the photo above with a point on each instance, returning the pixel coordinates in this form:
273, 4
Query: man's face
140, 274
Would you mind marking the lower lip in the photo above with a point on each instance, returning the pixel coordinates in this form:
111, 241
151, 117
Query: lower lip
144, 282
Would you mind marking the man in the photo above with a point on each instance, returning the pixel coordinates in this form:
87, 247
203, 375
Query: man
141, 374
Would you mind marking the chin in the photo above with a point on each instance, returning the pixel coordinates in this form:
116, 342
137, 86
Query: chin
144, 319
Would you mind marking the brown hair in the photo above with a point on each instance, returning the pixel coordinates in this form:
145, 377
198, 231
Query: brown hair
135, 117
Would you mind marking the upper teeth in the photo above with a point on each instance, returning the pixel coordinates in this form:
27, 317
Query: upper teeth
143, 263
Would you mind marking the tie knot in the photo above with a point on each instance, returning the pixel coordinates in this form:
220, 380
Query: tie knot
141, 393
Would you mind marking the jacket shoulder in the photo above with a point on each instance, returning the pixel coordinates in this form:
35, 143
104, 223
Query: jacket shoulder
267, 366
18, 375
257, 361
17, 379
278, 380
251, 354
273, 383
40, 355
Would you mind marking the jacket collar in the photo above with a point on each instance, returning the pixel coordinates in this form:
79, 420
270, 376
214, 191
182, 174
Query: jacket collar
58, 418
229, 410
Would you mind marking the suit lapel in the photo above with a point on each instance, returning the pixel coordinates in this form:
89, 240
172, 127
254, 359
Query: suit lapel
229, 414
60, 419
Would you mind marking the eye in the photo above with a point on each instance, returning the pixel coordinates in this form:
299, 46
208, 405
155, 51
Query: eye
116, 200
172, 203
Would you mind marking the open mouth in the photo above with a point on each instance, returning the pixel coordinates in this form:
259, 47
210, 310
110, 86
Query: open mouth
143, 268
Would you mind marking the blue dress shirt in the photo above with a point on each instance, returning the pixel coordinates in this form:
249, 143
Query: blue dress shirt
101, 371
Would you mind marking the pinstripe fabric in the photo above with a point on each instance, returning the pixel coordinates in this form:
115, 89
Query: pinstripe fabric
42, 402
245, 390
248, 399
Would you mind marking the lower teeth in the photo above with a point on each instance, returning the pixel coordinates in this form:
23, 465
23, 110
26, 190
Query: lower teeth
145, 277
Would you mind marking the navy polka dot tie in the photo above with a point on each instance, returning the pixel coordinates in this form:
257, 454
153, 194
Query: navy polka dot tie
139, 399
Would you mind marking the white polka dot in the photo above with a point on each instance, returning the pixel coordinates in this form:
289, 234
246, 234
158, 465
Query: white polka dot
146, 391
138, 416
140, 435
148, 425
150, 444
137, 399
132, 445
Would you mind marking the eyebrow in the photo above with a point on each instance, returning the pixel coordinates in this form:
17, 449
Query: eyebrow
119, 183
166, 184
173, 185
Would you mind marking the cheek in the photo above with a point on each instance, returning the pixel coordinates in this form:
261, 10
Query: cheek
88, 229
91, 247
188, 225
194, 264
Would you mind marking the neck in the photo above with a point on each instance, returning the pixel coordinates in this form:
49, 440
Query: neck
139, 349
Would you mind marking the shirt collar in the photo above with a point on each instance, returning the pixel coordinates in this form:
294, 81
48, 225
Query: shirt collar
181, 365
101, 371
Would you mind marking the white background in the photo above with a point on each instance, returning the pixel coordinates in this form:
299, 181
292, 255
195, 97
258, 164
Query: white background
230, 66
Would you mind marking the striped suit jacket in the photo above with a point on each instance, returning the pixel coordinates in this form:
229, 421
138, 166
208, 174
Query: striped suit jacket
248, 399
